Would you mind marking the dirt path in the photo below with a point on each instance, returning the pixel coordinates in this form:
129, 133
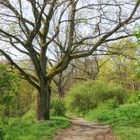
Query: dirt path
83, 130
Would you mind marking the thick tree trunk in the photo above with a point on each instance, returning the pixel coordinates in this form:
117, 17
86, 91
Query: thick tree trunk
43, 102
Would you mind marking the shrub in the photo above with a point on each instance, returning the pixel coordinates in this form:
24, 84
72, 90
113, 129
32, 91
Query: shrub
104, 111
134, 97
58, 107
88, 95
109, 104
128, 114
3, 124
29, 115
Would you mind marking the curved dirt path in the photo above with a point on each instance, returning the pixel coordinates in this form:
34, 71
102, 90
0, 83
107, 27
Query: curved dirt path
83, 130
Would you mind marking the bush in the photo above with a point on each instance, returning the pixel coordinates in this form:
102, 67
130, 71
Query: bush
109, 104
134, 97
58, 107
29, 115
104, 111
88, 95
128, 114
3, 124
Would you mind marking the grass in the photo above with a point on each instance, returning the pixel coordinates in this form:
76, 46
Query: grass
127, 132
27, 129
125, 119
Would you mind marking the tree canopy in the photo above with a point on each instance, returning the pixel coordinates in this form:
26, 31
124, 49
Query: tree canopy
51, 33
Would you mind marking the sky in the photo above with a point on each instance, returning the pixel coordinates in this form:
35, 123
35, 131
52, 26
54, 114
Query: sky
82, 29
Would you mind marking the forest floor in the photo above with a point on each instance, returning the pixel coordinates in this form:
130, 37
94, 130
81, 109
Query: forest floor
84, 130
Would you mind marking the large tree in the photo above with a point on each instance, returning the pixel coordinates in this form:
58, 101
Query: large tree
53, 32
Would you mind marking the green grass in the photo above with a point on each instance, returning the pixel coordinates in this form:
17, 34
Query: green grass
127, 132
27, 129
125, 119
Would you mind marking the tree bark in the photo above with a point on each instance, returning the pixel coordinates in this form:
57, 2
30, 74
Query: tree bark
60, 91
43, 102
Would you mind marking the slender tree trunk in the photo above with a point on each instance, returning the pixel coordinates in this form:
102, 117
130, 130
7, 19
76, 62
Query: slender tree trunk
60, 92
43, 102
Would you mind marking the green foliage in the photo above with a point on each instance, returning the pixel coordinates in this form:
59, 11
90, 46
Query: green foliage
137, 34
58, 107
134, 97
127, 132
109, 104
121, 118
126, 114
16, 95
19, 129
8, 81
26, 98
29, 115
138, 1
3, 124
86, 96
120, 68
9, 85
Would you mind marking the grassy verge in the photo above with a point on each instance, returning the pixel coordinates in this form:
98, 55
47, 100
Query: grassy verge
125, 119
27, 129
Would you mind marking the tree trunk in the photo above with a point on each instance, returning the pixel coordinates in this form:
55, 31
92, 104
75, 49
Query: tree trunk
60, 92
43, 102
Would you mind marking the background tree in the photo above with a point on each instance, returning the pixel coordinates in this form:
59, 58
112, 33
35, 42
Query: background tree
137, 34
8, 90
63, 81
121, 68
79, 70
74, 28
86, 68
